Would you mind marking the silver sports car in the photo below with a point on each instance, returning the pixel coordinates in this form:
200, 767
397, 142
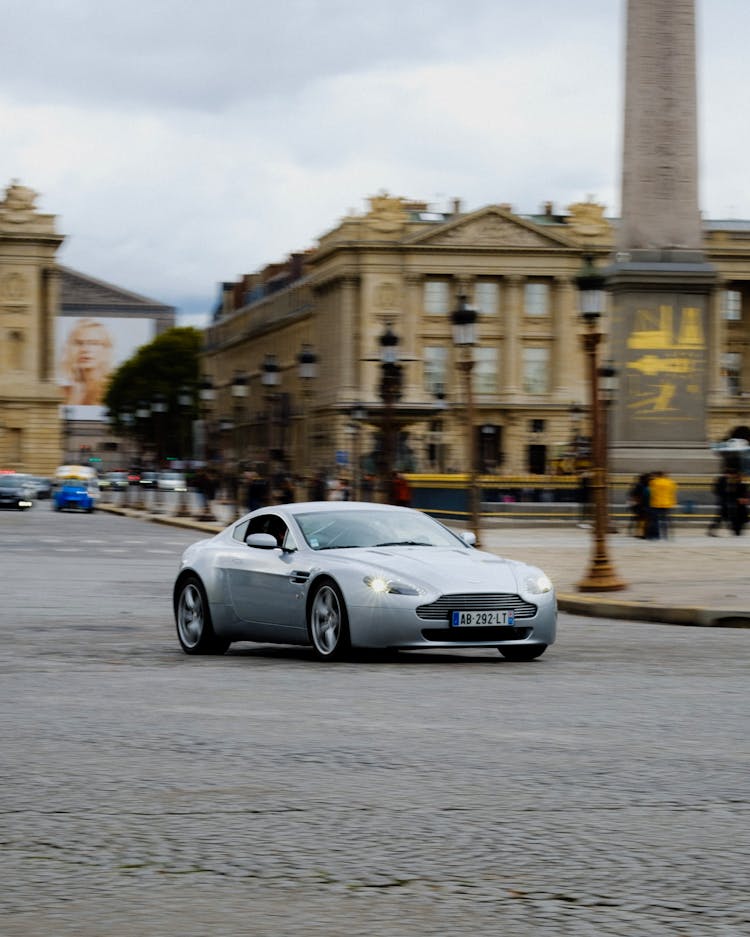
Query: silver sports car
343, 575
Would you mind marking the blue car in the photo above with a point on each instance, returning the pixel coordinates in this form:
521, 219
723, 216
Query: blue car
73, 494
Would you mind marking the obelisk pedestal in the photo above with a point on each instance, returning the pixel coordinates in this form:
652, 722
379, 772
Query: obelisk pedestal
660, 281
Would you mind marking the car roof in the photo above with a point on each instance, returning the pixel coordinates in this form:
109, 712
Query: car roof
313, 507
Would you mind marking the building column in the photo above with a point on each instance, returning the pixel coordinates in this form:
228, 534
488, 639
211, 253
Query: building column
564, 345
411, 322
512, 347
348, 321
717, 345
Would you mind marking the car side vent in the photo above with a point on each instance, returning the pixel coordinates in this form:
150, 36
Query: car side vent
299, 576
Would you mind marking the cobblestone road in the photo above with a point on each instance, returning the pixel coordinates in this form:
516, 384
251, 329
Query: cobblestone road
601, 790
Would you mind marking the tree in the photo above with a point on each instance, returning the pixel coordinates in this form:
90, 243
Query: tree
165, 366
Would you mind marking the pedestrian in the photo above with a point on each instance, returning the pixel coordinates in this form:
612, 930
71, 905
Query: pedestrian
257, 491
635, 500
736, 500
722, 507
319, 488
663, 499
400, 490
286, 490
584, 500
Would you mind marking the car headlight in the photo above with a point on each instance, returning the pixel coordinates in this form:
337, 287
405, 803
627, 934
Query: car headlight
382, 585
537, 584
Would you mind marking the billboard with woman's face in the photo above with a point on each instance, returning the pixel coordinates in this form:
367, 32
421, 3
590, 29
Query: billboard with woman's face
89, 350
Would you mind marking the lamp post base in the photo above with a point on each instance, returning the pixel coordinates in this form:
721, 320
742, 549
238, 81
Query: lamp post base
601, 577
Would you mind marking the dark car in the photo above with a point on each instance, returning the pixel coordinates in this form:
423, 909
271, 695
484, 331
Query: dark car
16, 491
116, 481
43, 487
149, 479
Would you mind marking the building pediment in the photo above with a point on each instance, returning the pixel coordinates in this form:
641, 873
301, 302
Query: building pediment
79, 291
492, 227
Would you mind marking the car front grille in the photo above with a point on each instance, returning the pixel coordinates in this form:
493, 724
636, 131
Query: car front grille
440, 609
470, 634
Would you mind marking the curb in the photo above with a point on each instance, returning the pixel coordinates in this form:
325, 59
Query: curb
658, 614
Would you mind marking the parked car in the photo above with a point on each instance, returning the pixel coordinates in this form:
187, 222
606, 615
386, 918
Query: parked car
42, 487
171, 481
357, 575
16, 491
115, 481
73, 494
148, 479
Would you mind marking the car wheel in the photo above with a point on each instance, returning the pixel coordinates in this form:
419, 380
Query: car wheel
328, 622
523, 651
195, 630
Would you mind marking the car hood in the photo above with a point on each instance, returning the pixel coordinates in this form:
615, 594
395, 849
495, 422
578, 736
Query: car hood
438, 569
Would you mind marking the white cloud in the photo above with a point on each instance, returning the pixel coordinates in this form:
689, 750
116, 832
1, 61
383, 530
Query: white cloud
184, 144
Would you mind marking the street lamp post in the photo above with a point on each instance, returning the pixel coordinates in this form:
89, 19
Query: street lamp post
239, 396
390, 394
185, 401
436, 428
142, 415
127, 419
601, 576
207, 395
608, 382
307, 362
271, 378
464, 319
358, 415
158, 409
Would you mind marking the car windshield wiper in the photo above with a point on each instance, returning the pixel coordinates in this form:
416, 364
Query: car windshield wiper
342, 546
404, 543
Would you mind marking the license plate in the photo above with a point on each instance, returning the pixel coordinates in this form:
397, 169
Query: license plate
462, 619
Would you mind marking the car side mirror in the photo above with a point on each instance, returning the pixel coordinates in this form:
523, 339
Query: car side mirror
469, 538
261, 541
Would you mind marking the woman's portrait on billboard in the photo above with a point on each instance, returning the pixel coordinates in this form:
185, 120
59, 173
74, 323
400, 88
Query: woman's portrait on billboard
86, 362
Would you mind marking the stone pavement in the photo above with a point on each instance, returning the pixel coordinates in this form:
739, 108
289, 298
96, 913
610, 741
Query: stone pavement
691, 579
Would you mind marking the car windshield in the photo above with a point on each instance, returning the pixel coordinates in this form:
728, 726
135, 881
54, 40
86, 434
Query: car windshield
332, 530
8, 481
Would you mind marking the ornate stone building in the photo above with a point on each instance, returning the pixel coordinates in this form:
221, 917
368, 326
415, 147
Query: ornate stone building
404, 266
29, 296
40, 300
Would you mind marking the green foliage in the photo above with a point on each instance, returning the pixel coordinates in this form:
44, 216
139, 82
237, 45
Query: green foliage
164, 366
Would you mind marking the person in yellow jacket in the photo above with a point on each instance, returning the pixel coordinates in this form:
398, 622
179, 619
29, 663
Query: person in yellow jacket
663, 491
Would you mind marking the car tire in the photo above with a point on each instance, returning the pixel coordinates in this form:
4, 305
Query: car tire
195, 630
523, 651
328, 622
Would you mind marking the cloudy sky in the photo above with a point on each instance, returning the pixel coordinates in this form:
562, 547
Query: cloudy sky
185, 142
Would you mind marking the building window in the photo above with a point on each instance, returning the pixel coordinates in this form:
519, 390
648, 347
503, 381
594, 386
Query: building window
535, 370
536, 299
731, 369
484, 372
732, 305
437, 297
487, 297
536, 459
435, 368
16, 351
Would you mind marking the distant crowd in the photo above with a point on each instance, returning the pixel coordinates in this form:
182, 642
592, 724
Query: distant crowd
653, 497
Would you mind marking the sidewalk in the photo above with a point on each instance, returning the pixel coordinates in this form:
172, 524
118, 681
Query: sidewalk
691, 579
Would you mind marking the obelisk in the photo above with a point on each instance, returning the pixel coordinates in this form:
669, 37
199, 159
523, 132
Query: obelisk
660, 281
